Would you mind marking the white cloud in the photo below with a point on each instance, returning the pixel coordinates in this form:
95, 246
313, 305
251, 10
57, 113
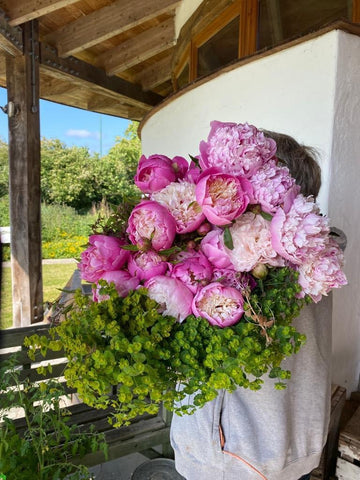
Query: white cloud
82, 133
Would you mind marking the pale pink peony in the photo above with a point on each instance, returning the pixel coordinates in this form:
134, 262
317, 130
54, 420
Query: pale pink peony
320, 274
145, 265
238, 149
151, 221
172, 295
220, 305
222, 197
179, 198
252, 243
213, 247
157, 171
272, 185
192, 268
103, 254
300, 231
122, 280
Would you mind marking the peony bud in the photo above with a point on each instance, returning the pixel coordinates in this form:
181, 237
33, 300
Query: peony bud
260, 271
204, 228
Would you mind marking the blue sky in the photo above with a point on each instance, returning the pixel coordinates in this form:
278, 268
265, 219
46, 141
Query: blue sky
72, 125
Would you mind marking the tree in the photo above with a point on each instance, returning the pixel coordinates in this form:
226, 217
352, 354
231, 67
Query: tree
68, 175
119, 167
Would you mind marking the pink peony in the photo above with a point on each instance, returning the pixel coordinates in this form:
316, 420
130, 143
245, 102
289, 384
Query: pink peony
192, 268
157, 171
104, 254
193, 173
222, 197
252, 243
172, 295
179, 198
213, 247
238, 149
122, 280
145, 265
151, 221
300, 231
272, 185
319, 274
220, 305
231, 278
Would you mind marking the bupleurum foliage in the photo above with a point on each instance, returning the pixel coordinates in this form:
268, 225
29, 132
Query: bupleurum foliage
125, 354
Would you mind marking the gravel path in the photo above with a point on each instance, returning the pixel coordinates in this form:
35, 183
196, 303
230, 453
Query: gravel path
49, 261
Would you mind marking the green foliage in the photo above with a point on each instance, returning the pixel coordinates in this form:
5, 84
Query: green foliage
46, 446
67, 175
4, 211
4, 169
60, 220
127, 342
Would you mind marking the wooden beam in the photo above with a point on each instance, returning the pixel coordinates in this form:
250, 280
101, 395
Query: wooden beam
156, 74
78, 70
52, 87
104, 104
21, 11
24, 158
356, 11
105, 23
139, 48
11, 41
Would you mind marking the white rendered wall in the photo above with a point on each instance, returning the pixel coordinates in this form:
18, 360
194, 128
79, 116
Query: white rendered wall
344, 205
311, 93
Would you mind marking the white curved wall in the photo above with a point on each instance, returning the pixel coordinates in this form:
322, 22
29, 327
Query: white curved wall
307, 91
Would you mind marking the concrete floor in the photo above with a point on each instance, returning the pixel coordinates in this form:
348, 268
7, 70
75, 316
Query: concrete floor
123, 469
120, 469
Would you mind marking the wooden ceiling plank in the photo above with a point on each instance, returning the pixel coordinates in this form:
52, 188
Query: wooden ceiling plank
105, 23
138, 49
156, 74
21, 11
11, 41
78, 70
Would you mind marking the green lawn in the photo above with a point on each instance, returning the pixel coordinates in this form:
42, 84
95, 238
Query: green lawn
55, 277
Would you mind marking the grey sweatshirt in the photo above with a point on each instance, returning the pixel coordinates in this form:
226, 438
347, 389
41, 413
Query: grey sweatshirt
279, 433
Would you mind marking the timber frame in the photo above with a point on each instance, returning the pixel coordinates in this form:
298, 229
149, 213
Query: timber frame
116, 57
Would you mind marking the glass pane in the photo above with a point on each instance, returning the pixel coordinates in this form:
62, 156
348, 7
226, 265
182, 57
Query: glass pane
220, 49
183, 78
281, 20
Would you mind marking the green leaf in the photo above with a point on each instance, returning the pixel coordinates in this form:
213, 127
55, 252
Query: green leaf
195, 160
267, 216
228, 241
132, 248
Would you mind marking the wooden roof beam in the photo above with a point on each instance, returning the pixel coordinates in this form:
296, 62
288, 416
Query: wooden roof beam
156, 74
103, 104
11, 38
138, 49
51, 88
21, 11
105, 23
85, 72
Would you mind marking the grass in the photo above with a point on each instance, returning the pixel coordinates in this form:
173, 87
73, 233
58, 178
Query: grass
55, 277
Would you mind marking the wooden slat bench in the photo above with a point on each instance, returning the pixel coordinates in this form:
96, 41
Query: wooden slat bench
142, 435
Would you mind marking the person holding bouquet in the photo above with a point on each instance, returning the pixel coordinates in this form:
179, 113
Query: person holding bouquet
268, 433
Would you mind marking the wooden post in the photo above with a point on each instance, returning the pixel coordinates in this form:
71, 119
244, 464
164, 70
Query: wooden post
22, 76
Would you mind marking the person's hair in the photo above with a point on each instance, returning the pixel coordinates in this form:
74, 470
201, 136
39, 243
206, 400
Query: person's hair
300, 160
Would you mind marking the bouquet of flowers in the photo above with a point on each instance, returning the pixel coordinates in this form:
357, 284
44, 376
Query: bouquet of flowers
198, 283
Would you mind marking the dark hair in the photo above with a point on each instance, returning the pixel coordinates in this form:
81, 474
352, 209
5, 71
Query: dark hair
300, 160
